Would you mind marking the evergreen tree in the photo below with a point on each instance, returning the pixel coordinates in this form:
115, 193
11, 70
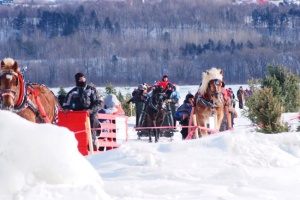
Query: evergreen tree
285, 87
264, 109
109, 89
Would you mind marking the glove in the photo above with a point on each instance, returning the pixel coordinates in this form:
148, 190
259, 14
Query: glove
169, 100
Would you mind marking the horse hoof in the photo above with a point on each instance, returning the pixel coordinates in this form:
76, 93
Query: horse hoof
156, 141
150, 141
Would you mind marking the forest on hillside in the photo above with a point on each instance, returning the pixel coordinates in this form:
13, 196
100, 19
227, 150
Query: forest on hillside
127, 44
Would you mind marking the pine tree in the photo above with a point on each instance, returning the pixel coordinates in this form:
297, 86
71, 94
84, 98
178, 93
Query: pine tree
285, 87
62, 91
265, 110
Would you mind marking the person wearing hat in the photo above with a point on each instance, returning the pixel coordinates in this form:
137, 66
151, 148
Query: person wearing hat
232, 97
241, 97
171, 106
139, 97
85, 97
183, 113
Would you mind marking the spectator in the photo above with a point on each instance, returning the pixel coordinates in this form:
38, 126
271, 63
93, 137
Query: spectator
112, 106
241, 97
183, 113
139, 97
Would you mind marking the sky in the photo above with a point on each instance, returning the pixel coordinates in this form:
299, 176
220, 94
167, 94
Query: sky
41, 162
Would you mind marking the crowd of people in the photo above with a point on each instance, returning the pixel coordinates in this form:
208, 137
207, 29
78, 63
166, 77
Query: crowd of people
86, 97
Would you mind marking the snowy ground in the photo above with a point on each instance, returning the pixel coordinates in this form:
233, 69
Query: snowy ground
41, 162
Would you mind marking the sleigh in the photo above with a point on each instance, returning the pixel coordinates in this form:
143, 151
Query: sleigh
114, 131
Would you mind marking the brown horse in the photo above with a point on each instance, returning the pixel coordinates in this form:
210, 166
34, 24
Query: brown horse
209, 99
34, 102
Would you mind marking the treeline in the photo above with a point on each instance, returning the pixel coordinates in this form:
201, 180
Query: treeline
127, 44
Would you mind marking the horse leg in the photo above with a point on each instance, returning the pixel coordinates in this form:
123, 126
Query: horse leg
156, 132
150, 137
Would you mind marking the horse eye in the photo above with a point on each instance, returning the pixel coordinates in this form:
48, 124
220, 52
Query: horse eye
217, 82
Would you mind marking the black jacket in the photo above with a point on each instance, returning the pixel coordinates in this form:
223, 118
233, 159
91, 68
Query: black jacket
83, 99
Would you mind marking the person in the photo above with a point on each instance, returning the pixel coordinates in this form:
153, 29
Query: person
139, 97
232, 97
174, 101
112, 106
169, 89
183, 113
85, 97
167, 85
227, 115
241, 97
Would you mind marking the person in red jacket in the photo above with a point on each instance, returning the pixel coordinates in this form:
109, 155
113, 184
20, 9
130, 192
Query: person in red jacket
167, 85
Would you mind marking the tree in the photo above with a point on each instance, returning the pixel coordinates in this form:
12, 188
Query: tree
264, 109
285, 87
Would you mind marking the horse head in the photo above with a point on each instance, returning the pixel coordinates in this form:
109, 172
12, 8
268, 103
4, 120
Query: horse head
211, 87
9, 83
158, 97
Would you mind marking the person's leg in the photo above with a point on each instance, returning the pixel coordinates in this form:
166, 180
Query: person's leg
95, 124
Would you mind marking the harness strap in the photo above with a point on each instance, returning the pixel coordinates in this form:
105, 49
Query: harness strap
22, 91
204, 102
41, 109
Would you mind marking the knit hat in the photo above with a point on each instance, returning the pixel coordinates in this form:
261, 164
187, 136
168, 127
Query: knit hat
188, 96
77, 77
164, 76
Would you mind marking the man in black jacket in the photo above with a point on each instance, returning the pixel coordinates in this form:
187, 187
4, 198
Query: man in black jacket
85, 97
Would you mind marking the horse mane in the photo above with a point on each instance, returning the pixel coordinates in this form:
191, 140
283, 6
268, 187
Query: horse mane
7, 64
211, 74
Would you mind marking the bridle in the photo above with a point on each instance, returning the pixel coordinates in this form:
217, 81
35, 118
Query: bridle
8, 91
158, 102
217, 83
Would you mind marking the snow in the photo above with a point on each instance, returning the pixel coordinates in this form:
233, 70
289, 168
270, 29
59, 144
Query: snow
41, 162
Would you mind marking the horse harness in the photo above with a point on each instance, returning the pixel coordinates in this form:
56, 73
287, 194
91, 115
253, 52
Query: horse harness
23, 102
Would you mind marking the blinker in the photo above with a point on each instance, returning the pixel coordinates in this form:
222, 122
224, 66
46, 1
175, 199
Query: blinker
217, 82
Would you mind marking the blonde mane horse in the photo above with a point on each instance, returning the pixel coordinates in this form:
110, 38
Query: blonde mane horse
32, 101
209, 99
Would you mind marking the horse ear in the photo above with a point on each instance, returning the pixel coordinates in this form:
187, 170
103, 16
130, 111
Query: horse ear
221, 72
2, 64
15, 66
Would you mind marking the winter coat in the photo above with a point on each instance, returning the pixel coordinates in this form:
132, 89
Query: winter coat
138, 96
80, 98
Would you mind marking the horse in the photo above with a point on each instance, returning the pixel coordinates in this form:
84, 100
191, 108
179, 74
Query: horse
32, 101
209, 99
154, 112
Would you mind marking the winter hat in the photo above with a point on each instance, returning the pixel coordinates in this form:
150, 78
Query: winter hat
77, 77
141, 87
164, 76
111, 101
188, 96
